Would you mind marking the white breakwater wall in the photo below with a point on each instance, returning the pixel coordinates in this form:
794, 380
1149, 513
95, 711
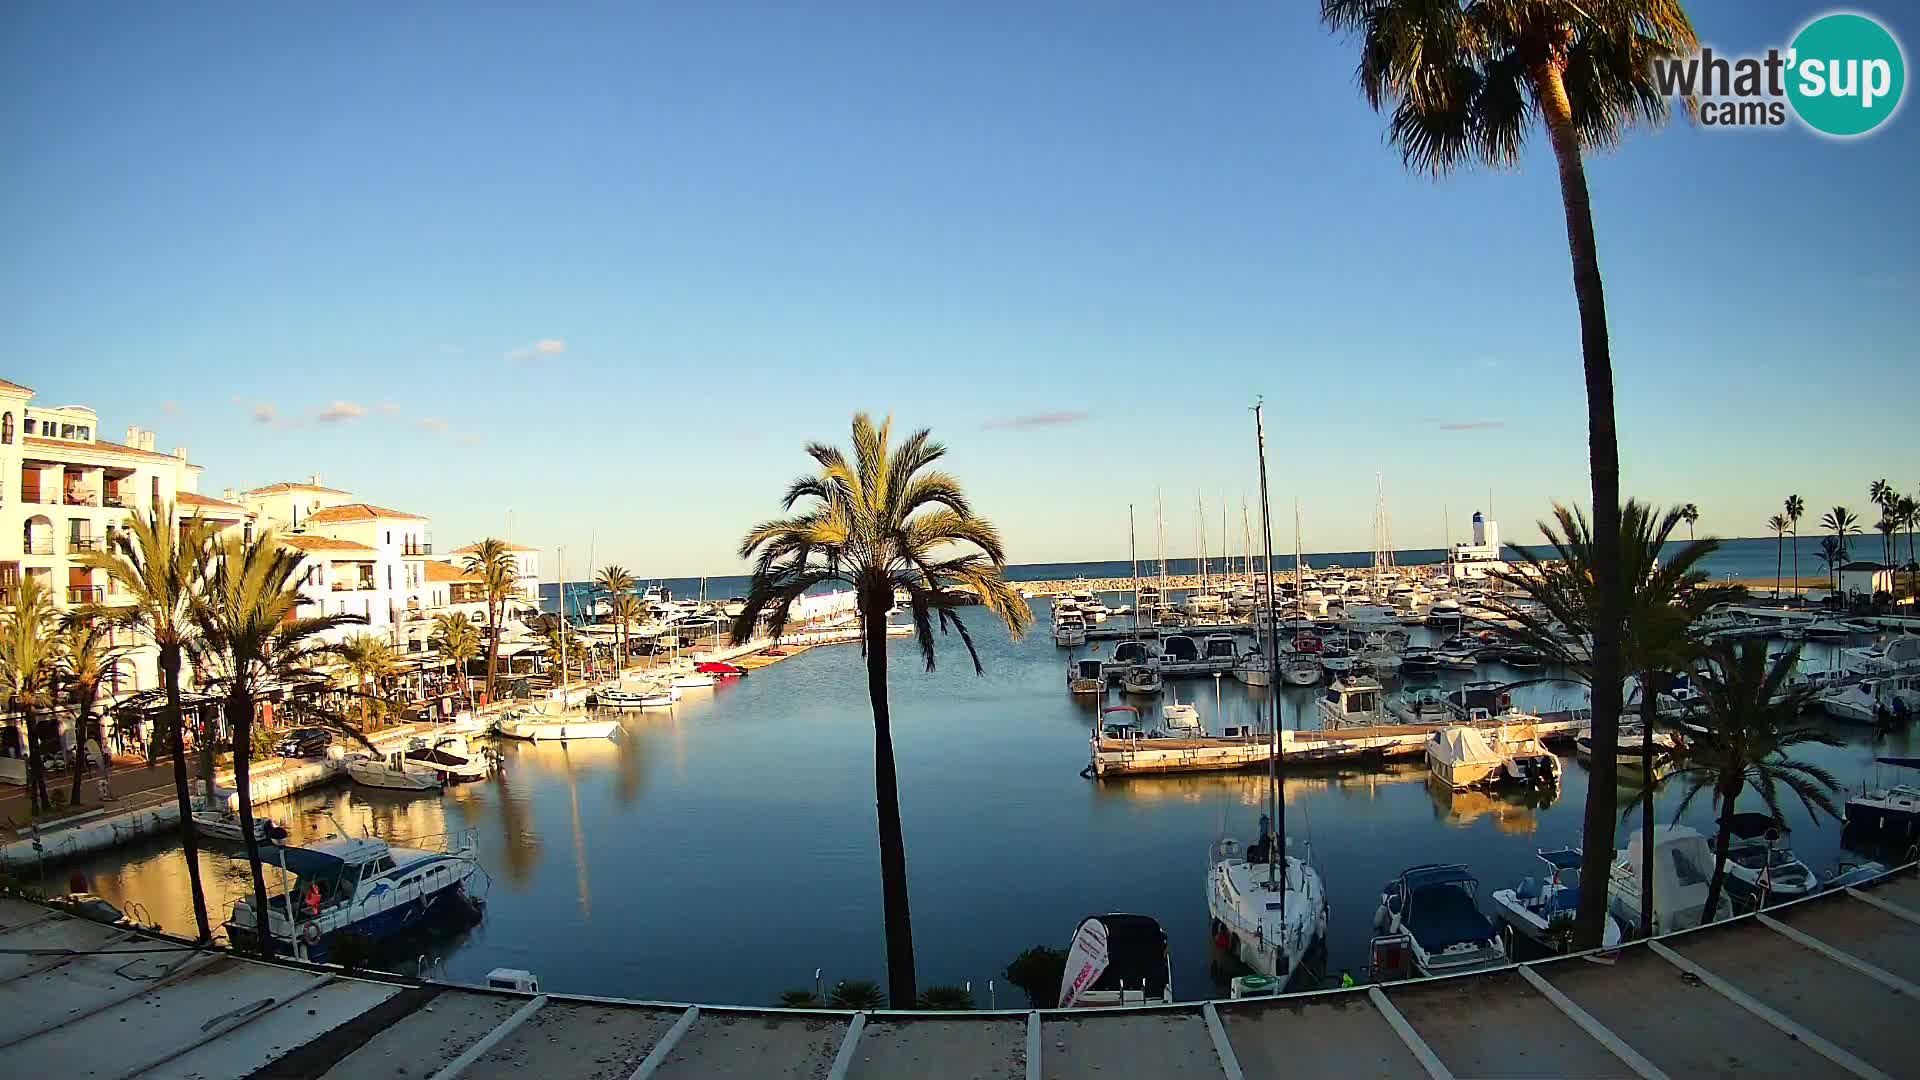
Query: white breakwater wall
106, 828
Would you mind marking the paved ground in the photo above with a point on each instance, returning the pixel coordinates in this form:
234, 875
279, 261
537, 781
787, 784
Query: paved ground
1817, 988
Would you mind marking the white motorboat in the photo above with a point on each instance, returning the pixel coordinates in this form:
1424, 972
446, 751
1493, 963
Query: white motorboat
1543, 911
1086, 676
1682, 867
1761, 867
1887, 699
447, 756
1890, 814
1352, 702
1300, 669
1144, 679
1253, 669
1270, 914
360, 886
619, 699
1117, 959
554, 725
1630, 749
1069, 629
1466, 757
691, 680
1433, 913
221, 824
392, 774
1176, 715
1890, 657
1427, 705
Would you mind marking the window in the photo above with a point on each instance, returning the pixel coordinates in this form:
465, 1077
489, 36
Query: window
6, 428
389, 536
29, 425
246, 533
155, 488
66, 431
84, 432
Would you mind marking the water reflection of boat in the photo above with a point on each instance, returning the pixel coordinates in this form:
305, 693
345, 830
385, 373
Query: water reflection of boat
1515, 811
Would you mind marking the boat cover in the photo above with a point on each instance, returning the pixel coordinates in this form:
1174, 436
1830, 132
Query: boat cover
1562, 859
1463, 745
303, 862
1440, 913
1136, 952
1750, 825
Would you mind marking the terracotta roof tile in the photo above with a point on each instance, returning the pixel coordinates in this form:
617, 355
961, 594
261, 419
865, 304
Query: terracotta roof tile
321, 543
439, 571
189, 498
99, 445
272, 489
356, 512
5, 385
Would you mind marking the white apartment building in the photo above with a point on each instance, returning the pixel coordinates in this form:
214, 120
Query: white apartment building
64, 491
360, 559
526, 563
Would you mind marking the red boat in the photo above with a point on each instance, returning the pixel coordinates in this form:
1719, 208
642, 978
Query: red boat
716, 668
1306, 643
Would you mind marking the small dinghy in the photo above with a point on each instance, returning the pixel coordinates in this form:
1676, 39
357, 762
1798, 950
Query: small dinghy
225, 825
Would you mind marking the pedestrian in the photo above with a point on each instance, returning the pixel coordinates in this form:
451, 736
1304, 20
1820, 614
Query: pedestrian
97, 747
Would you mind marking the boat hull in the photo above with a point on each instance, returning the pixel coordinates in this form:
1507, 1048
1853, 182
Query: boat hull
388, 780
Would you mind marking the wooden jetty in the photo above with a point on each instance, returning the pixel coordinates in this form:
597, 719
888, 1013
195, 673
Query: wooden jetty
1825, 986
1146, 754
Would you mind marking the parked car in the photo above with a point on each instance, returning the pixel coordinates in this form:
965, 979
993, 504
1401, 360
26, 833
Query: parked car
305, 742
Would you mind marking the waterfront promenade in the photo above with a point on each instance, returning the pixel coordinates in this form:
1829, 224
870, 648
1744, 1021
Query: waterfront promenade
1828, 986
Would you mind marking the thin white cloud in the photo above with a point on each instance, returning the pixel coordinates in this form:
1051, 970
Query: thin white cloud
539, 350
339, 411
264, 413
1474, 425
1037, 420
431, 423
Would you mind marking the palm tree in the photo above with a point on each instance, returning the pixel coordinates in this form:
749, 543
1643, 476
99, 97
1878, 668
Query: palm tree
1466, 82
1751, 724
29, 655
1883, 495
616, 583
459, 642
372, 664
626, 610
1778, 523
882, 521
1831, 555
88, 657
1909, 512
1690, 514
159, 563
251, 634
1796, 507
493, 563
1840, 522
1889, 524
1660, 605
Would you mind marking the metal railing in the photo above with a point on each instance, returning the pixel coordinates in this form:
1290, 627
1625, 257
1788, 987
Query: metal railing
84, 594
416, 549
83, 543
38, 547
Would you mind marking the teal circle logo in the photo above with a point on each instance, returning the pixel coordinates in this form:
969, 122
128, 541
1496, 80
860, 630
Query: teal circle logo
1846, 74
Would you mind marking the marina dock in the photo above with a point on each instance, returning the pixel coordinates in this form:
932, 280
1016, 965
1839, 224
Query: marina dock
1825, 986
1129, 757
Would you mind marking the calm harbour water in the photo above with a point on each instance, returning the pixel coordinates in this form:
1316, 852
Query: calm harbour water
722, 851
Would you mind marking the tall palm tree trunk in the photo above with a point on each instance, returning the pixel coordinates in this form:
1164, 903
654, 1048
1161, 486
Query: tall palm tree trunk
80, 731
1779, 556
1796, 561
1603, 451
1725, 836
1649, 712
36, 796
901, 990
240, 723
176, 734
493, 649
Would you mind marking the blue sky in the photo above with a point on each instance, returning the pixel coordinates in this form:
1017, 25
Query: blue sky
608, 268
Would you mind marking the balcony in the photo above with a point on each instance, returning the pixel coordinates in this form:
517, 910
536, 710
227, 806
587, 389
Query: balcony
83, 594
82, 497
363, 585
83, 543
118, 502
37, 547
416, 549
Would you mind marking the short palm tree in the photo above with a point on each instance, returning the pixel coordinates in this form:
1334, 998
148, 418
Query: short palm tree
373, 665
1888, 525
616, 582
626, 610
883, 521
1796, 508
251, 634
1831, 555
1748, 730
88, 657
1466, 83
459, 642
29, 659
159, 563
1661, 603
1690, 514
1778, 523
492, 562
1841, 523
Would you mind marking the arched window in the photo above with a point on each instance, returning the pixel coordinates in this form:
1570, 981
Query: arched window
6, 428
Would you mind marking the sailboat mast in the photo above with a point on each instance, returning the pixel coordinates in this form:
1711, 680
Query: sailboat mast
562, 553
1133, 556
1278, 851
